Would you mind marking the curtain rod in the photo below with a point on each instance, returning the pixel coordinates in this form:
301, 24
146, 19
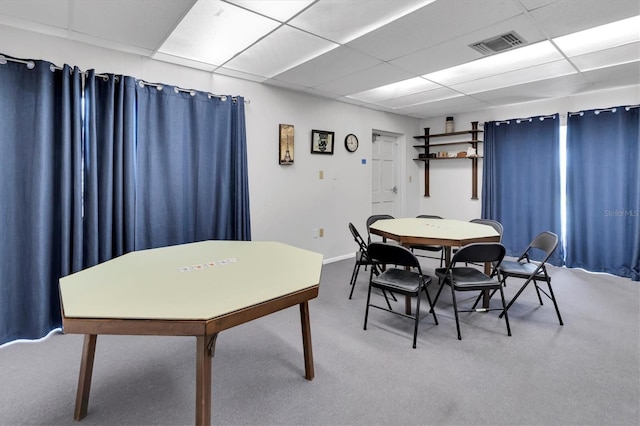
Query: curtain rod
529, 119
192, 92
598, 111
31, 65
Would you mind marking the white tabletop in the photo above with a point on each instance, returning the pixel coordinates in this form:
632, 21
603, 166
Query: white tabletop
191, 281
443, 229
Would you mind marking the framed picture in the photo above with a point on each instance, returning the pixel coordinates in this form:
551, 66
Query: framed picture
322, 142
286, 144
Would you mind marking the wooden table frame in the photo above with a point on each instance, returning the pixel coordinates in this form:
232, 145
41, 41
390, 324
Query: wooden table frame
205, 331
446, 243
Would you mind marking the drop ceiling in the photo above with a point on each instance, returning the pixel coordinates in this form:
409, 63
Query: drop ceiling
409, 57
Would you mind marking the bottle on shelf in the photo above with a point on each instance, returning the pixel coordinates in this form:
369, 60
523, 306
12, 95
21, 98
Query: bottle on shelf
448, 127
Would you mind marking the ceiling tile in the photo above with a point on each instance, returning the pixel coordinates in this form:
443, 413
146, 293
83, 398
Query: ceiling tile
120, 20
396, 90
608, 57
343, 21
435, 95
55, 14
602, 37
378, 75
184, 62
274, 82
512, 78
544, 89
327, 67
444, 108
569, 16
617, 76
285, 48
275, 9
239, 74
204, 33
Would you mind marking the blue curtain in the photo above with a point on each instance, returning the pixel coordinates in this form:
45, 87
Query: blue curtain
192, 181
521, 180
136, 168
109, 167
603, 191
41, 193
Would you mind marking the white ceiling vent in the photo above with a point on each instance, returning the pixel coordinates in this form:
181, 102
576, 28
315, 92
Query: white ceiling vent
499, 44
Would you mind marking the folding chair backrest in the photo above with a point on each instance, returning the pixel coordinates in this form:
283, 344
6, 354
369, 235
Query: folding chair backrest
357, 237
492, 223
393, 254
373, 219
480, 252
545, 241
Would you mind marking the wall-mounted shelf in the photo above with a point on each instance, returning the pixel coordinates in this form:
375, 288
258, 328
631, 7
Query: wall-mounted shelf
426, 155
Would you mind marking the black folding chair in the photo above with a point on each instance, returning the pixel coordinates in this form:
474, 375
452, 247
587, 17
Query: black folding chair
373, 219
362, 258
466, 278
398, 280
532, 272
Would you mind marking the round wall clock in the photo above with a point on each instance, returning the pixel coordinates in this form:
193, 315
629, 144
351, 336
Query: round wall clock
351, 142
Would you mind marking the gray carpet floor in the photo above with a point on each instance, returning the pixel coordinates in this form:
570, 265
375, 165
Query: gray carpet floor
586, 372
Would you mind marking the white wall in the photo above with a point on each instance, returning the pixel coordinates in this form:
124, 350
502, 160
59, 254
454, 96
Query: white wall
450, 186
287, 202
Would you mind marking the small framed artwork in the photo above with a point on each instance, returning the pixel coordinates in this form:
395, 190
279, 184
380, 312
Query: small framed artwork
322, 142
286, 144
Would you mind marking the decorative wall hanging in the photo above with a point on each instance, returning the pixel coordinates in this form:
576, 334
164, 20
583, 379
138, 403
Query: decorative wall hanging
286, 144
322, 142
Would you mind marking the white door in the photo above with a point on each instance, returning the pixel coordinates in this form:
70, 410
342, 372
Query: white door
384, 175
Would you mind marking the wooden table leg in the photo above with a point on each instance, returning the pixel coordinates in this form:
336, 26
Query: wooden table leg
306, 341
84, 379
447, 256
205, 350
447, 262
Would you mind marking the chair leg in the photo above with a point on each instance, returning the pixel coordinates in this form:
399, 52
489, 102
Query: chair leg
431, 306
441, 283
553, 299
504, 311
535, 283
526, 283
455, 311
354, 277
480, 298
384, 293
415, 328
366, 312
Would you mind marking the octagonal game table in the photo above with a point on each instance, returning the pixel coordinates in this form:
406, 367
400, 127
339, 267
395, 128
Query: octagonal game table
447, 233
197, 289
